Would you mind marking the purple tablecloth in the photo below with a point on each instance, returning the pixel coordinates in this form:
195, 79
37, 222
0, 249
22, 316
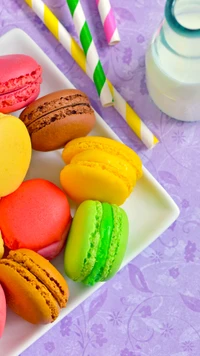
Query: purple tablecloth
156, 311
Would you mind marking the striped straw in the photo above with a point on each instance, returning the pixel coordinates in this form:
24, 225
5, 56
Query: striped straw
108, 21
72, 47
90, 51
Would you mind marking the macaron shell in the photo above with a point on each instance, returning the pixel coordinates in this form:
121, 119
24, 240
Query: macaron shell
34, 216
44, 271
16, 147
25, 295
53, 250
16, 65
83, 182
103, 144
2, 311
83, 241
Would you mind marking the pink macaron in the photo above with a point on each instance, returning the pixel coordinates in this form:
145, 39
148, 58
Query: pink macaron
20, 79
2, 311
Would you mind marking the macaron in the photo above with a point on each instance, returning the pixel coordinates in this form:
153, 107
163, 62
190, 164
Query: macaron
57, 118
99, 168
96, 243
15, 157
2, 311
33, 287
20, 79
36, 217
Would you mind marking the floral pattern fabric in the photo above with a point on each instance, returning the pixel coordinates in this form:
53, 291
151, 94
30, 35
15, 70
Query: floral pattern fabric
152, 306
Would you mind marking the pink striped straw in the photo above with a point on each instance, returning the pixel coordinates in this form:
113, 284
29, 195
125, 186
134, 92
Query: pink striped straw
108, 21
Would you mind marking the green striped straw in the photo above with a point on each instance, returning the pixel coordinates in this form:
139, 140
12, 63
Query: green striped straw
93, 63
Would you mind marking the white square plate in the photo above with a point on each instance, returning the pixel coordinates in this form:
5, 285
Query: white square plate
150, 209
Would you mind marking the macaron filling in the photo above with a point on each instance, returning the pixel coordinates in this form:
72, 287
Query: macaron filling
106, 228
118, 163
51, 103
58, 114
105, 145
109, 168
55, 108
19, 96
20, 89
114, 242
15, 84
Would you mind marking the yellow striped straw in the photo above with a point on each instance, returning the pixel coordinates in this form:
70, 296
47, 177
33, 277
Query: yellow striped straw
72, 47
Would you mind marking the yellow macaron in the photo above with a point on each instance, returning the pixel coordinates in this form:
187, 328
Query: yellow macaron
99, 169
15, 157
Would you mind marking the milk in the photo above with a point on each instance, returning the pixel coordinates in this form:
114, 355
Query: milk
173, 66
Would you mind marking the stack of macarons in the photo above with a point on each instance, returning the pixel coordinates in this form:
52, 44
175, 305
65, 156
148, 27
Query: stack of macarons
100, 175
34, 223
35, 217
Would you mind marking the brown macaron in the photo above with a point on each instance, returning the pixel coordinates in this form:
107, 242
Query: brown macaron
57, 118
33, 287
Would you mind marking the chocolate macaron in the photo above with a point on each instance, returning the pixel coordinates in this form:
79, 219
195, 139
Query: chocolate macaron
57, 118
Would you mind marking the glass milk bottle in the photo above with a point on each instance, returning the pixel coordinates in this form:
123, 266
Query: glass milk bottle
173, 61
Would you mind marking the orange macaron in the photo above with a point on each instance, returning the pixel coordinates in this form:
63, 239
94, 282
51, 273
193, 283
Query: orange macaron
33, 287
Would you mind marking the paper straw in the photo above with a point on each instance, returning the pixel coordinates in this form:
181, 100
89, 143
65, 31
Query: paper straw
108, 21
90, 51
63, 36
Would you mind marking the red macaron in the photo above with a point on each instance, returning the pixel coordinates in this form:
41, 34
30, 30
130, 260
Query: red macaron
37, 217
20, 79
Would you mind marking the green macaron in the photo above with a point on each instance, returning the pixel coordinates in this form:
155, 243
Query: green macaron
96, 243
